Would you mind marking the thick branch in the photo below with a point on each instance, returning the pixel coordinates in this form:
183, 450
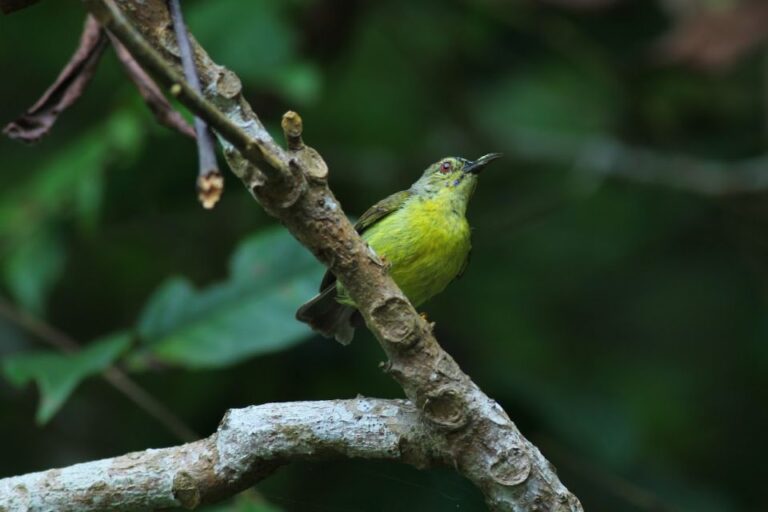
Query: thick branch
249, 444
469, 429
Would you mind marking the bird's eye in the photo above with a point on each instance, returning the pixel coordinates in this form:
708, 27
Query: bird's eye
445, 167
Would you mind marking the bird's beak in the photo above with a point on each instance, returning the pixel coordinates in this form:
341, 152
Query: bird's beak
478, 165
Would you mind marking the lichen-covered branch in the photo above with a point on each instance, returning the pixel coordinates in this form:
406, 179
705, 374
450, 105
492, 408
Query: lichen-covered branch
468, 428
249, 444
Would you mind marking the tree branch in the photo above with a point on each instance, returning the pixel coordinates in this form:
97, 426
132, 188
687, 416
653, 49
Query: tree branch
209, 180
611, 158
9, 6
115, 376
249, 445
465, 426
150, 92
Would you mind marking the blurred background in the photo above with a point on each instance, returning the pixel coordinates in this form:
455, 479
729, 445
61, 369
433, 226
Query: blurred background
616, 300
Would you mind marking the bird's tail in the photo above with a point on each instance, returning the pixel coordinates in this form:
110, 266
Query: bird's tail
329, 317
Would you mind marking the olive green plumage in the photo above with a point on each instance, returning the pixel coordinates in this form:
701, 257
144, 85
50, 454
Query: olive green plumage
423, 235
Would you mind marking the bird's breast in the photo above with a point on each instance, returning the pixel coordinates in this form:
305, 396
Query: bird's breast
425, 243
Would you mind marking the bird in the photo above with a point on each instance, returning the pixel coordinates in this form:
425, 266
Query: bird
421, 234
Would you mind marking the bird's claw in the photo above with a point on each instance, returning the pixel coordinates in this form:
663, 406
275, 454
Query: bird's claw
381, 261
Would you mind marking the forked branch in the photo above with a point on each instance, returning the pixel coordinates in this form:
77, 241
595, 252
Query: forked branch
248, 446
460, 424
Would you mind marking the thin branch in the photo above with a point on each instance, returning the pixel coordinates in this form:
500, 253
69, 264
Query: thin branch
210, 182
9, 6
116, 377
468, 428
256, 147
610, 158
248, 446
65, 90
150, 92
149, 404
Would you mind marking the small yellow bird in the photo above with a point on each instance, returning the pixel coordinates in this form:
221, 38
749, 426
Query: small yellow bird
423, 235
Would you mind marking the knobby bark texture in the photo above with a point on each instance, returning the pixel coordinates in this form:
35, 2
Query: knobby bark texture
465, 427
249, 445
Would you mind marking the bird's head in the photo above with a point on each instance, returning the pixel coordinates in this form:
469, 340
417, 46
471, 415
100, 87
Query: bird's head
455, 175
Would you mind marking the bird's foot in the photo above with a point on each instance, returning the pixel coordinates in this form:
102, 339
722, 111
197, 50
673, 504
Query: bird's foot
381, 261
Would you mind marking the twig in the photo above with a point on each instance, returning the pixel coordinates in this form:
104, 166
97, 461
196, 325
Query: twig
248, 446
9, 6
210, 182
116, 377
634, 495
148, 89
465, 426
610, 158
258, 147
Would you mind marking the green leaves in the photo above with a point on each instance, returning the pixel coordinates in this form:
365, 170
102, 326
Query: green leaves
32, 268
250, 313
68, 188
261, 44
57, 375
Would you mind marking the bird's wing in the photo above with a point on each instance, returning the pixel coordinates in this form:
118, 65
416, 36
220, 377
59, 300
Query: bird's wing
381, 209
374, 214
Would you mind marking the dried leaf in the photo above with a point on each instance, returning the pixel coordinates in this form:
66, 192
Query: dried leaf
65, 91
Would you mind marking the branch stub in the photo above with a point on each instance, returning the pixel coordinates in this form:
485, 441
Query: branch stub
392, 321
512, 467
445, 409
293, 126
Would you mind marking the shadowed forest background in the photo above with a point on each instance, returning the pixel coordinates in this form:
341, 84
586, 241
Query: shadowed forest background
615, 304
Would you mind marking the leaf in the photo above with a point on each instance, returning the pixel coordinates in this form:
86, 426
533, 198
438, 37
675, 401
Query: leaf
57, 375
32, 267
259, 40
68, 188
249, 314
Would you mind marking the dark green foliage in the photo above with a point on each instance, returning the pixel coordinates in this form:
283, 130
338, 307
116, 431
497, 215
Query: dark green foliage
621, 324
57, 375
249, 314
